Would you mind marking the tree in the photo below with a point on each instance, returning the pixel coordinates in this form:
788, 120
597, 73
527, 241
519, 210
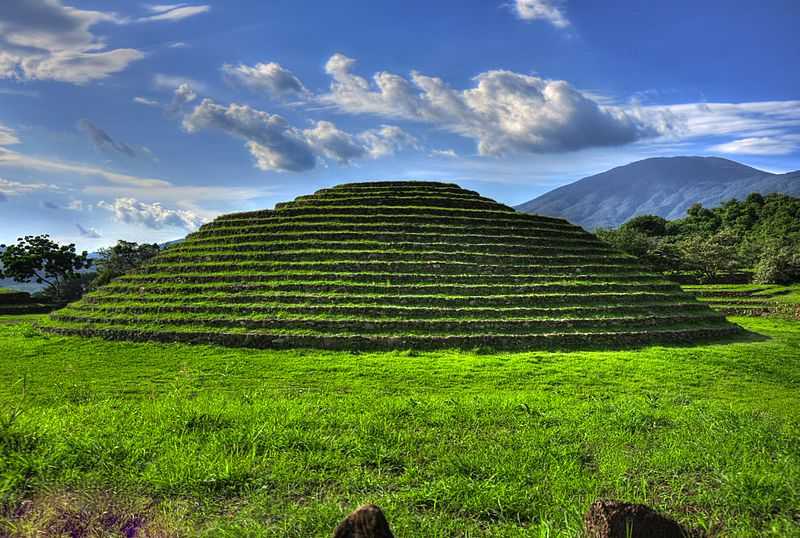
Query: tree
778, 264
651, 225
44, 261
122, 258
710, 255
659, 253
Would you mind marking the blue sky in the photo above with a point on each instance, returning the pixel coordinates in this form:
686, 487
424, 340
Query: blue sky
126, 120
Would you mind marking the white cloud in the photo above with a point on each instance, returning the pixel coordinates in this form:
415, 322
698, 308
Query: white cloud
78, 205
45, 40
764, 145
277, 145
505, 112
147, 102
184, 94
173, 12
545, 10
327, 140
271, 78
754, 119
15, 188
386, 140
449, 153
89, 233
155, 216
18, 160
163, 81
274, 143
7, 136
184, 196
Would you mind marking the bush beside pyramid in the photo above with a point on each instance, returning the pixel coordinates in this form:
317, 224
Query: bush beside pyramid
393, 265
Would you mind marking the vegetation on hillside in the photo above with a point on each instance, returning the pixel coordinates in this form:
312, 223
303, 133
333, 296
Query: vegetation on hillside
760, 234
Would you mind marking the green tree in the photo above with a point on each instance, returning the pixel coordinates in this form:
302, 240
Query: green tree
709, 256
42, 260
122, 258
778, 264
650, 225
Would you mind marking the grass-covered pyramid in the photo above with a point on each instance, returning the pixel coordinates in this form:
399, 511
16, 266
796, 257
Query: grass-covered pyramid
393, 265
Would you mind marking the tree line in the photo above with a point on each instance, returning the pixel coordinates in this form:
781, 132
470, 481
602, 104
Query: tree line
66, 273
758, 237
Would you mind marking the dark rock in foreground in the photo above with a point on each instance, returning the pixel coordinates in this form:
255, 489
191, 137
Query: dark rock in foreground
366, 522
614, 519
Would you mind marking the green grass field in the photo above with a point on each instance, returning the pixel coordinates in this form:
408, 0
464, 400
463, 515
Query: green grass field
200, 440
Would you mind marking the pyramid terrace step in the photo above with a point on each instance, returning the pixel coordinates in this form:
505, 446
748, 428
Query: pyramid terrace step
265, 248
241, 240
444, 267
414, 216
387, 194
246, 258
489, 228
458, 301
261, 291
445, 202
371, 311
247, 279
477, 210
608, 339
396, 327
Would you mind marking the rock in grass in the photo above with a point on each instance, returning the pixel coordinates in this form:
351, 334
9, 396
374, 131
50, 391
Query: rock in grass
615, 519
366, 522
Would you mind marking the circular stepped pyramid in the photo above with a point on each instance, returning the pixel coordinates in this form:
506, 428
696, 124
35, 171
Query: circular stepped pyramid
393, 265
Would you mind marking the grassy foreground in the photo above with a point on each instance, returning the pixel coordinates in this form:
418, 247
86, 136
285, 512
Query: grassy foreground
201, 440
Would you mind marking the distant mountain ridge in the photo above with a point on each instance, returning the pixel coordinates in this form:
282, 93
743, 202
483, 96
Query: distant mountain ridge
664, 186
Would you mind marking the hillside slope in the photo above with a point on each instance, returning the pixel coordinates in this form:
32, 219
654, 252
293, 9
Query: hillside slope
664, 186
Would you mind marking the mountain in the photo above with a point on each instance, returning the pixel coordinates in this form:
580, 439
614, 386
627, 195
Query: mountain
664, 186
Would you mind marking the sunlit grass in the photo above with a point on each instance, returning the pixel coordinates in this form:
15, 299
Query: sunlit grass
203, 439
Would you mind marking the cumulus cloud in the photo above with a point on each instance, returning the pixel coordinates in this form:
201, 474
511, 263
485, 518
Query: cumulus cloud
327, 140
173, 12
89, 233
386, 140
102, 140
184, 94
274, 143
541, 10
271, 78
277, 145
155, 216
45, 40
505, 112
